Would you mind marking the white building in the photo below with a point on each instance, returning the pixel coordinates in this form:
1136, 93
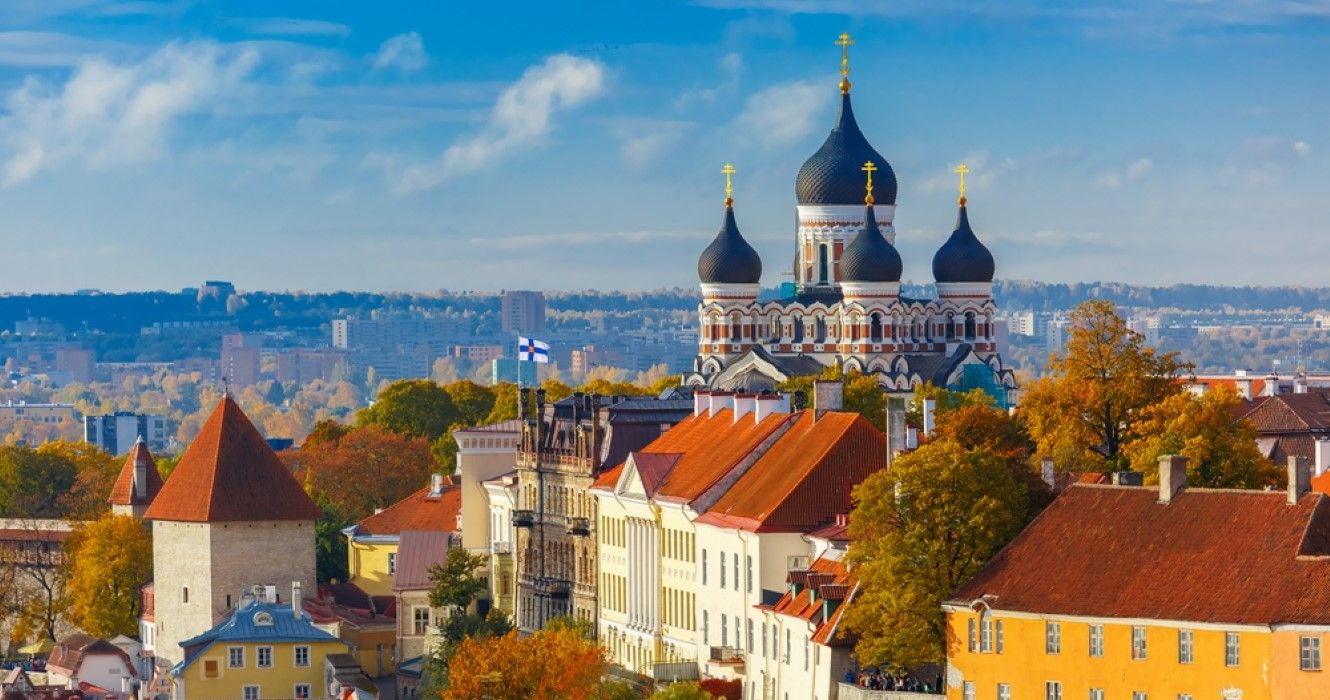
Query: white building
117, 432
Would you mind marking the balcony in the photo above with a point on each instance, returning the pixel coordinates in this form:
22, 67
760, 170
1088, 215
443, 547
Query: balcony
580, 527
548, 587
523, 518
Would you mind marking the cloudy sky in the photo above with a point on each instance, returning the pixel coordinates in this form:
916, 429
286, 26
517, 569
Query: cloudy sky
383, 146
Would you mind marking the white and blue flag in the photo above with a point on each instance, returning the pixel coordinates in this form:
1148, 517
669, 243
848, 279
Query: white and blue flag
532, 350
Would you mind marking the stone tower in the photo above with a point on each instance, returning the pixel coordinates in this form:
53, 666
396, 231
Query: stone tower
230, 517
138, 484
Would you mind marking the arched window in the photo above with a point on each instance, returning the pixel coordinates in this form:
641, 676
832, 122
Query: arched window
775, 329
820, 330
798, 329
951, 327
734, 328
969, 326
822, 264
875, 327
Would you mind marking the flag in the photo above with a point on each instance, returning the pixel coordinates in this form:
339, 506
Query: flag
532, 350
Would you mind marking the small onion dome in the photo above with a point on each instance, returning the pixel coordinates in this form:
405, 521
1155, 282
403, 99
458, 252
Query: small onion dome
870, 257
831, 176
963, 258
729, 259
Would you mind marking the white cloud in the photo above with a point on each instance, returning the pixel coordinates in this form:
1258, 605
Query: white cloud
643, 142
731, 67
1302, 148
404, 52
980, 178
782, 114
110, 114
1112, 179
1138, 169
522, 115
294, 26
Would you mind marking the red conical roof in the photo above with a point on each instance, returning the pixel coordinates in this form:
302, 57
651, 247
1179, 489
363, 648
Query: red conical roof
228, 474
124, 493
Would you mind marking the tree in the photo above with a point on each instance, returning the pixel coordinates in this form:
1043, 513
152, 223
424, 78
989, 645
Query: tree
1091, 403
505, 403
31, 482
1220, 449
368, 468
919, 530
682, 691
325, 431
471, 402
95, 472
411, 407
108, 561
456, 582
556, 663
860, 393
32, 583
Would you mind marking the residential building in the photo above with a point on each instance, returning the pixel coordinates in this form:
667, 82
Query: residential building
398, 348
501, 496
241, 358
522, 312
231, 516
565, 445
372, 552
15, 414
1160, 592
137, 485
303, 366
814, 663
417, 620
479, 352
367, 624
1290, 425
77, 363
263, 649
118, 432
485, 453
94, 666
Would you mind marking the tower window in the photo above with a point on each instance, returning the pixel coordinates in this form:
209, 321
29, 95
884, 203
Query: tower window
875, 327
822, 264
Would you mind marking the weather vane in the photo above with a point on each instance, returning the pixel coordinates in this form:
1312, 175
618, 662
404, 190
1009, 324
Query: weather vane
961, 170
869, 168
729, 185
845, 42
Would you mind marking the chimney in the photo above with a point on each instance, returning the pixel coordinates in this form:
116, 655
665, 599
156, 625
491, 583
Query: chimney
1271, 385
295, 598
700, 401
828, 395
1172, 477
1300, 383
435, 485
141, 473
743, 405
1048, 472
1127, 478
895, 428
767, 404
1322, 456
929, 405
1299, 478
717, 401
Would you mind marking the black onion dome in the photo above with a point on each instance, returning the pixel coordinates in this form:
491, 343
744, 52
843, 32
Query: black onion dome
870, 257
963, 258
833, 175
729, 259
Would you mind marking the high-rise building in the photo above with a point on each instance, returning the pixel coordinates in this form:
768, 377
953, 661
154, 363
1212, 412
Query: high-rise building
241, 358
522, 312
78, 362
398, 348
117, 432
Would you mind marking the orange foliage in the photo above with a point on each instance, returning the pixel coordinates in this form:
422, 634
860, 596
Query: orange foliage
557, 663
364, 469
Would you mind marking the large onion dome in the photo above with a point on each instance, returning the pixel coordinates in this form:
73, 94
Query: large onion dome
832, 175
729, 259
963, 258
870, 257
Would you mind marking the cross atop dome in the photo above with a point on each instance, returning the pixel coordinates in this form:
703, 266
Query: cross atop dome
869, 168
729, 170
845, 42
961, 170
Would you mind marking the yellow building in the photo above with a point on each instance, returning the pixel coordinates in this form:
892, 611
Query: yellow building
371, 553
265, 650
1152, 593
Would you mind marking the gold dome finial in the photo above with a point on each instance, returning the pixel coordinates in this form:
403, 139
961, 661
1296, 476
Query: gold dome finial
729, 185
869, 167
844, 42
961, 170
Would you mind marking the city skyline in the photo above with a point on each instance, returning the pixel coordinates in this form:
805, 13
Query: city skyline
338, 148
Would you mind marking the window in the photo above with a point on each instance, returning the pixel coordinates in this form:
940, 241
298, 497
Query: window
974, 631
787, 646
704, 567
1232, 650
706, 625
302, 656
722, 570
764, 639
750, 635
264, 657
392, 563
1096, 641
1052, 638
1309, 653
210, 668
420, 616
1138, 643
806, 645
775, 642
250, 692
736, 572
302, 691
235, 657
997, 636
1184, 646
967, 690
749, 580
1140, 695
724, 630
1096, 694
184, 594
1052, 690
1184, 696
985, 633
1004, 691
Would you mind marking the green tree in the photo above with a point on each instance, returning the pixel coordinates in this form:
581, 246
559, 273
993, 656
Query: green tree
1091, 403
1220, 449
325, 431
95, 474
682, 691
411, 407
108, 561
505, 403
860, 392
918, 530
472, 402
32, 482
457, 583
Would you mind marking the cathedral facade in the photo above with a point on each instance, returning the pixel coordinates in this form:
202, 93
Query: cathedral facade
845, 307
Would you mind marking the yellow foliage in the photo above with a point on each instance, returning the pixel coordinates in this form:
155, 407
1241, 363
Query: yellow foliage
108, 561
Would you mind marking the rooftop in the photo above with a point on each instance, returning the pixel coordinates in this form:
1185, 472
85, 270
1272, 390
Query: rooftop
422, 510
124, 493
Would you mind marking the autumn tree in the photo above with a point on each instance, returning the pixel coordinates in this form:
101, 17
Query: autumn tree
456, 584
1091, 403
32, 584
95, 472
860, 392
32, 483
682, 691
1220, 448
411, 407
918, 530
107, 562
368, 468
555, 663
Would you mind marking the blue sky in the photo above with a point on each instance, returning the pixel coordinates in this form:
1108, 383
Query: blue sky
423, 146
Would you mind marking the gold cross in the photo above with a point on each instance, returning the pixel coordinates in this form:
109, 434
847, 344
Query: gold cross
729, 186
870, 168
961, 170
845, 42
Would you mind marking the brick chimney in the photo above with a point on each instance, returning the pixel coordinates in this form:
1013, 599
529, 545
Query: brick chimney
1172, 476
1299, 478
828, 395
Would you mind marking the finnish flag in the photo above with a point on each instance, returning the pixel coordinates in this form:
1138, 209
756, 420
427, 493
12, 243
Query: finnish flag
532, 350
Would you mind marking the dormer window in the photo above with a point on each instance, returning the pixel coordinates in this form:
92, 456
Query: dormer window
263, 619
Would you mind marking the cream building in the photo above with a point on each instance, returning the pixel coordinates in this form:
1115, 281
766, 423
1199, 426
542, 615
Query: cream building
486, 453
501, 496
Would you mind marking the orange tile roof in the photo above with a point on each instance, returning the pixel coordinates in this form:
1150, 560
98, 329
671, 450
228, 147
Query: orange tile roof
710, 446
419, 511
608, 478
123, 492
830, 579
1216, 556
229, 474
803, 479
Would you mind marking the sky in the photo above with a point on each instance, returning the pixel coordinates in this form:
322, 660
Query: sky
405, 146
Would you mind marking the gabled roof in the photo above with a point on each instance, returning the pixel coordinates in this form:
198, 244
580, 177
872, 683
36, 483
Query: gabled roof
827, 579
653, 468
229, 474
124, 493
69, 653
1289, 413
419, 511
1215, 556
255, 621
803, 479
416, 554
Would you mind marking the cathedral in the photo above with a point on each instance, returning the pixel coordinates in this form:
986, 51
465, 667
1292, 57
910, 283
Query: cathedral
845, 307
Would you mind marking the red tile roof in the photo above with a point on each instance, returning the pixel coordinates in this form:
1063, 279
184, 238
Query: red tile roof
830, 580
419, 511
124, 493
803, 480
1218, 556
608, 478
1289, 413
69, 653
228, 474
